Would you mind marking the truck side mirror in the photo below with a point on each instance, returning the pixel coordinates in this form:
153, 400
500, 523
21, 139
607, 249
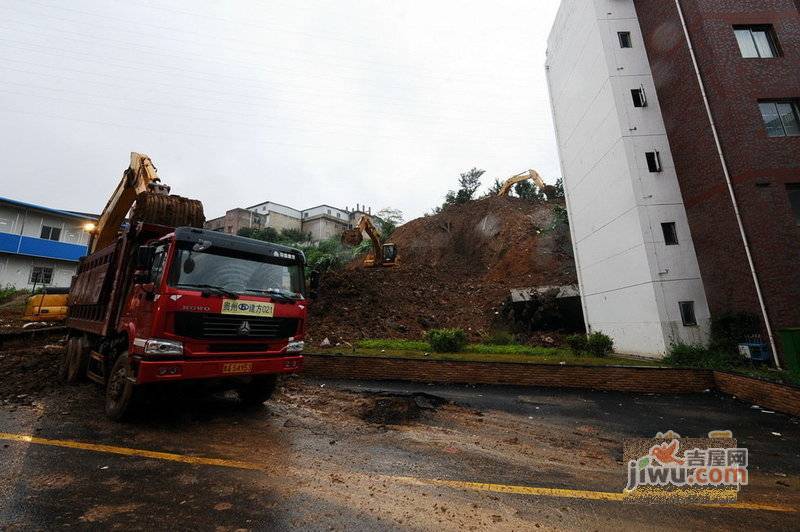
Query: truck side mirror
313, 283
144, 257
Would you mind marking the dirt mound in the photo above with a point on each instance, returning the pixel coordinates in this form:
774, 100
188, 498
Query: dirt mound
29, 368
399, 409
455, 269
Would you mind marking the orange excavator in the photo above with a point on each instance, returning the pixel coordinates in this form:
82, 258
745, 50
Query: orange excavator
383, 254
534, 176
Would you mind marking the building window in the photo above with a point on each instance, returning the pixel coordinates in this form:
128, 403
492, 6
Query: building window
793, 189
41, 275
625, 39
338, 215
670, 233
687, 313
329, 211
653, 161
781, 118
756, 41
639, 97
50, 233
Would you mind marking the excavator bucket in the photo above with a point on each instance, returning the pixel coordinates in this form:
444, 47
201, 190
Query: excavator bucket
174, 211
352, 237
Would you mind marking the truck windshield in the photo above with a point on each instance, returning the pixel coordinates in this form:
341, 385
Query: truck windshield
232, 272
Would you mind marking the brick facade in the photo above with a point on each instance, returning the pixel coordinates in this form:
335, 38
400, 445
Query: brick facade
760, 166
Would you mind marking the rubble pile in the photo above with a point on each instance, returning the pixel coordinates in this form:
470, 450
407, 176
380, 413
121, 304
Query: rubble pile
455, 269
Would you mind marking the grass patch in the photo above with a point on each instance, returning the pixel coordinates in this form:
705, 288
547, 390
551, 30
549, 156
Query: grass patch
526, 354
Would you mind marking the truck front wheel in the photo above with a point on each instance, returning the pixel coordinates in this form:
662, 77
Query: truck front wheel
258, 390
120, 390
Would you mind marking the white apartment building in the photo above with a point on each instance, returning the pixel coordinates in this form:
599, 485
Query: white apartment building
637, 270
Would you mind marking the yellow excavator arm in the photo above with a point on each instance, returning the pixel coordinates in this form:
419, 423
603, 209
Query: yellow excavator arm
140, 177
141, 185
533, 175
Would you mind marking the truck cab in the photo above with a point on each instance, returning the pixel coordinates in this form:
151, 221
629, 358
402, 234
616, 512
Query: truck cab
187, 304
201, 299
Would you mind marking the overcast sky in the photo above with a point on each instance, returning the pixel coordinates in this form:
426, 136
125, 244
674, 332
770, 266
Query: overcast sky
297, 102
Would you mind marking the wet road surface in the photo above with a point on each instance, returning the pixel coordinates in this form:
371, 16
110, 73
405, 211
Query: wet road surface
326, 455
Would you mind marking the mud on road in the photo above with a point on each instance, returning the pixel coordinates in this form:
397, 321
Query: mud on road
326, 455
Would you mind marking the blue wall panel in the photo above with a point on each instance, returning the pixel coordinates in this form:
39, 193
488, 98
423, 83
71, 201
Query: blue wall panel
9, 242
38, 247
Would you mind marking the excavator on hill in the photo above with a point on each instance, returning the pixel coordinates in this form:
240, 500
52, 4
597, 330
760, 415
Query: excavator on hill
383, 254
534, 176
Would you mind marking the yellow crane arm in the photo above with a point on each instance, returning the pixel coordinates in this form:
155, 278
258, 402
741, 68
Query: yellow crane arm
140, 177
533, 175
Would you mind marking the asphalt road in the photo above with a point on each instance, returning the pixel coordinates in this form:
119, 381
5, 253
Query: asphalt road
327, 455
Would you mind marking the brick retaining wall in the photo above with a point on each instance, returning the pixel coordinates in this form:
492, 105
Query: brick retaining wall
612, 378
780, 397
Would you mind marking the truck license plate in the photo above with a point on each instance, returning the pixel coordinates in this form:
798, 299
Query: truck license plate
237, 367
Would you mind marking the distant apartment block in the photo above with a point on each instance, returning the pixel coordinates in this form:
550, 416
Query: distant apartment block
675, 218
39, 245
321, 222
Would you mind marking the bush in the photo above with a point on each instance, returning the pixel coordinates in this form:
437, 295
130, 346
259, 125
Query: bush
576, 343
447, 340
599, 344
500, 338
697, 356
9, 292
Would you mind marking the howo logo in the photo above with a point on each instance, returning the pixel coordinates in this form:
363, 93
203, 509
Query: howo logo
244, 328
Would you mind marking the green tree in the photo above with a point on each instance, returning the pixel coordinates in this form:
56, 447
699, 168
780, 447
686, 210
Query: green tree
559, 188
528, 191
389, 220
494, 190
294, 236
468, 183
267, 234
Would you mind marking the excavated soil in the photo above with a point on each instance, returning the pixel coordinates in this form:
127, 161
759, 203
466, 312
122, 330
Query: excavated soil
455, 269
29, 368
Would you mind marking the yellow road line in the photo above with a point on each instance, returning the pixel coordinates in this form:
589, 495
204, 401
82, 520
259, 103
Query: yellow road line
126, 451
519, 490
456, 484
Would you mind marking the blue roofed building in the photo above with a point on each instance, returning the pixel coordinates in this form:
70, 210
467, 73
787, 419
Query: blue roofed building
40, 245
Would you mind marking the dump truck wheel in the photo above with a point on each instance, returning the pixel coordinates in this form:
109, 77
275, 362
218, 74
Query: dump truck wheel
75, 360
258, 390
120, 391
172, 211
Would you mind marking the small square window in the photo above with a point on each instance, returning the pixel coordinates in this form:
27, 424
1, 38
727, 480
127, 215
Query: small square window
793, 189
639, 97
625, 39
653, 161
50, 233
781, 117
687, 313
41, 275
670, 233
756, 41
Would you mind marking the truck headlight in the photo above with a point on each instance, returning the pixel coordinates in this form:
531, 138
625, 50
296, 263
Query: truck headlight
158, 346
295, 347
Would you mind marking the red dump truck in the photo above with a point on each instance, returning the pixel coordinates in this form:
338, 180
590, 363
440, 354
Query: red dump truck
160, 304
